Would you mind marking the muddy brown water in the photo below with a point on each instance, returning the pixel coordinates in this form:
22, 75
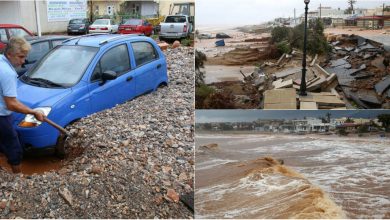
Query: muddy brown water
39, 164
352, 172
35, 165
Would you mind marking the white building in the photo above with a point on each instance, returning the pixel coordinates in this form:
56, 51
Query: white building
48, 16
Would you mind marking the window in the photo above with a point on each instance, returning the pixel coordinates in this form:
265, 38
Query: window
116, 59
136, 9
144, 52
57, 42
17, 32
3, 35
38, 50
175, 19
64, 65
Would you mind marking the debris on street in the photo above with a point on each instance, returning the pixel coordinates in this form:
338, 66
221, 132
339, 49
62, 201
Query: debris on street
132, 161
352, 76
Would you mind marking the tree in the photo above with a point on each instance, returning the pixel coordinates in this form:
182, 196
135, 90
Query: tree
350, 9
349, 120
279, 34
328, 117
200, 58
385, 120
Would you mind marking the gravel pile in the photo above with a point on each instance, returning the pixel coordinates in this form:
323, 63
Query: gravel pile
131, 161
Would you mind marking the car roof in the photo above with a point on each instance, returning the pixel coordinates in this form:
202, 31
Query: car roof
10, 26
98, 40
46, 37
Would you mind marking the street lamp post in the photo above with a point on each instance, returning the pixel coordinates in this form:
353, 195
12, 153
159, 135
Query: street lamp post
302, 90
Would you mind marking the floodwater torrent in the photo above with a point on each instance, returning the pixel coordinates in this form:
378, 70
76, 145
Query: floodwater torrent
285, 176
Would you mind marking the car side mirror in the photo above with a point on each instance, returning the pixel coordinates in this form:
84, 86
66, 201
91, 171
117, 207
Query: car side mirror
108, 75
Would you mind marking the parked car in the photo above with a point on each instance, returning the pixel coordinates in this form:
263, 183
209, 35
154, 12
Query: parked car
9, 30
39, 47
175, 27
76, 26
84, 75
103, 26
136, 26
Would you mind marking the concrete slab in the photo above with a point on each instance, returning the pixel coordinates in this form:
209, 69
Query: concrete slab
321, 71
316, 85
308, 106
280, 99
363, 75
287, 72
283, 84
383, 85
340, 63
322, 100
280, 106
369, 97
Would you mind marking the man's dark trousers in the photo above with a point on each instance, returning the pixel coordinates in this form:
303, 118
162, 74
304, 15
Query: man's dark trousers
9, 141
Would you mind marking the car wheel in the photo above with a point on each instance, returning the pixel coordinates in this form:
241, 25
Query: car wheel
161, 38
61, 148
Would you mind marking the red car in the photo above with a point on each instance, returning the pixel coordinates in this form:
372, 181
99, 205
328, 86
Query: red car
136, 26
9, 30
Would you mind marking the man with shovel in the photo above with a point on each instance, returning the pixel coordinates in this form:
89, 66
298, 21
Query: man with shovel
14, 56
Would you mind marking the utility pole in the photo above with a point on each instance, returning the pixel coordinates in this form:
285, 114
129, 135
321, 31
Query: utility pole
295, 18
37, 15
90, 11
320, 10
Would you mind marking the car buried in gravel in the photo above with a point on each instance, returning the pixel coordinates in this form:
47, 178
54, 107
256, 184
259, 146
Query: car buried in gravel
82, 76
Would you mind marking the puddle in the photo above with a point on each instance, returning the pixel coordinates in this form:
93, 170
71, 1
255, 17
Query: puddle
39, 164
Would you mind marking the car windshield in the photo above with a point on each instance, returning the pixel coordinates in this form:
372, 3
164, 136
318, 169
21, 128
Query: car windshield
64, 65
133, 22
175, 19
101, 22
76, 21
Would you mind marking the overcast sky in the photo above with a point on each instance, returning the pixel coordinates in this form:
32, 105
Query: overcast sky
202, 116
244, 12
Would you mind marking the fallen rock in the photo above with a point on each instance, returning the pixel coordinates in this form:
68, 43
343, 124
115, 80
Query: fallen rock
66, 195
171, 194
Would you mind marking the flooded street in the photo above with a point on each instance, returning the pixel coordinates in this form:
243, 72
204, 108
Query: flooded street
334, 176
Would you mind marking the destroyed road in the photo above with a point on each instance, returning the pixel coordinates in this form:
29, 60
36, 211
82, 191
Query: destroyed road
131, 161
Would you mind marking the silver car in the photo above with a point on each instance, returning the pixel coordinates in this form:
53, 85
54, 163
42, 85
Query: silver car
103, 26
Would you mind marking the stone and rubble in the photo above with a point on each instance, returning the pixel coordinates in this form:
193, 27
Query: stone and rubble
132, 161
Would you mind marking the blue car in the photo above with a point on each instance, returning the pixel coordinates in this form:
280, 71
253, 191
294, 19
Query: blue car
84, 75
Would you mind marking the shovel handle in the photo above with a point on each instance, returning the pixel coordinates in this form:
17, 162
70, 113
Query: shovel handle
52, 123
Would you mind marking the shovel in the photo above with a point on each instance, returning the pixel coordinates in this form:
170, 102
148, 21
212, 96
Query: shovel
55, 125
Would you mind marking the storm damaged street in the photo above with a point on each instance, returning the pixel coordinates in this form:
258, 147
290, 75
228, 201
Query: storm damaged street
342, 56
250, 74
135, 160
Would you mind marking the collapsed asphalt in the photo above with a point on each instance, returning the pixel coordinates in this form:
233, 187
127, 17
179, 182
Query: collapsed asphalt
132, 161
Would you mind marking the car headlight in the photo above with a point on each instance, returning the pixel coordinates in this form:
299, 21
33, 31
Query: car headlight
30, 121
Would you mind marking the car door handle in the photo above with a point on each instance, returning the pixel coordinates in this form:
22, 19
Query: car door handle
128, 79
158, 66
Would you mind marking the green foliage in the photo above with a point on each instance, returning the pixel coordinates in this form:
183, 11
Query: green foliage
283, 47
200, 58
349, 120
342, 132
362, 129
279, 34
385, 120
316, 41
186, 42
201, 93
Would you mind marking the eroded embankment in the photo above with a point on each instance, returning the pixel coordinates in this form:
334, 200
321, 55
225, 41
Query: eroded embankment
260, 188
